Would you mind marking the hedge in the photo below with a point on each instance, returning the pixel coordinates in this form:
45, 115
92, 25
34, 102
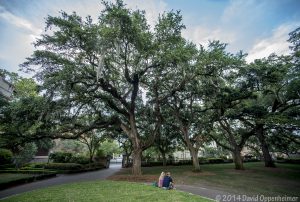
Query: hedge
63, 166
66, 157
35, 172
291, 161
6, 185
61, 157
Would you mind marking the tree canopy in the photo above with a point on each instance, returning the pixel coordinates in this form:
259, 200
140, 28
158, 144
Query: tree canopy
118, 74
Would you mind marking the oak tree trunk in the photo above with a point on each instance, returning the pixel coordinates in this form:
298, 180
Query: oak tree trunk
137, 161
164, 159
237, 158
194, 154
265, 149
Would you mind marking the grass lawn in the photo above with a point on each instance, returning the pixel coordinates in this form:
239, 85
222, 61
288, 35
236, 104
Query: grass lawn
8, 177
107, 191
255, 179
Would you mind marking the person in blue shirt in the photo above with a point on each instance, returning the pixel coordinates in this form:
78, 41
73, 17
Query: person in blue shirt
168, 181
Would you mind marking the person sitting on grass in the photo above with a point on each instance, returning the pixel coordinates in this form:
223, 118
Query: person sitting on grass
168, 181
161, 179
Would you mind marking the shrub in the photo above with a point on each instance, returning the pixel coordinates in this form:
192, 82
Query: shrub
34, 165
183, 162
290, 160
63, 166
80, 159
251, 160
35, 172
38, 165
203, 160
215, 160
37, 176
94, 166
5, 156
61, 157
228, 161
153, 163
66, 157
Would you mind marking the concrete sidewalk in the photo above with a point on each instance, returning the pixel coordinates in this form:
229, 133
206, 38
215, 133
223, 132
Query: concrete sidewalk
209, 193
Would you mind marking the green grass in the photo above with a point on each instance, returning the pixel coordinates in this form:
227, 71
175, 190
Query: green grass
255, 179
107, 191
8, 177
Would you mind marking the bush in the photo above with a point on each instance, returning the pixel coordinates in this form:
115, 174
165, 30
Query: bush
203, 160
154, 163
215, 160
251, 160
5, 156
63, 166
80, 159
38, 165
37, 176
94, 166
61, 157
66, 157
292, 161
228, 161
183, 162
35, 172
34, 165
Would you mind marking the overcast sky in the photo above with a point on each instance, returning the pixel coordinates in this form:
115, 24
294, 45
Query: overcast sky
258, 27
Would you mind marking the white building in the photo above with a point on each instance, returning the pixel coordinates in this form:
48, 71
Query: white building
6, 89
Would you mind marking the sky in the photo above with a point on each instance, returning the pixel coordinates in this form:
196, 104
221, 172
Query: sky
257, 27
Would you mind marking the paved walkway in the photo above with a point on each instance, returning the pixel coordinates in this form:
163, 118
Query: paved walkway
101, 175
206, 192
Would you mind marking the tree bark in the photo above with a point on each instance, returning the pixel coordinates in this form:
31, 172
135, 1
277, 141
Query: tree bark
194, 154
237, 158
164, 159
132, 133
137, 161
264, 147
192, 149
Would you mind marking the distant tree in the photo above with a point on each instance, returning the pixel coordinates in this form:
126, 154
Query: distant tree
166, 141
24, 154
92, 140
282, 141
110, 147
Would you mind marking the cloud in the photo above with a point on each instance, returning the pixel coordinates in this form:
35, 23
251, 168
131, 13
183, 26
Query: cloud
234, 25
16, 42
240, 10
22, 27
18, 22
15, 52
202, 35
276, 43
153, 9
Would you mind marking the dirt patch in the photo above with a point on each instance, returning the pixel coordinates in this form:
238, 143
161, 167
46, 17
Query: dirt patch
132, 178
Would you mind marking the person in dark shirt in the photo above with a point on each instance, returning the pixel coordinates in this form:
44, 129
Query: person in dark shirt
168, 181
